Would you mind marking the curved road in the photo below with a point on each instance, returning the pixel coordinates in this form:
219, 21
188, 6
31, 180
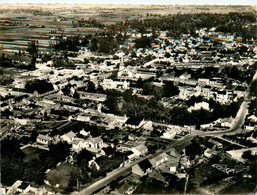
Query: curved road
236, 124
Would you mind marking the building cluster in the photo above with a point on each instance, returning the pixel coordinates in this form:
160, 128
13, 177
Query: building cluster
72, 105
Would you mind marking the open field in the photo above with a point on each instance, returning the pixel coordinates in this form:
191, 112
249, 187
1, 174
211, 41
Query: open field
33, 153
22, 23
61, 175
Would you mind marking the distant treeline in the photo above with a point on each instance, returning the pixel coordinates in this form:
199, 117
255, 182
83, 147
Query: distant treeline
240, 24
234, 22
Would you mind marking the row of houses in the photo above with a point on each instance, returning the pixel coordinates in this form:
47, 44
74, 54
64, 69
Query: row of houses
94, 143
164, 163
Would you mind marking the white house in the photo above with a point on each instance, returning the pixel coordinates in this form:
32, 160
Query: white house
92, 96
139, 150
222, 96
158, 160
68, 137
126, 73
203, 82
199, 105
237, 154
83, 118
95, 143
148, 125
170, 133
111, 84
19, 187
84, 133
43, 139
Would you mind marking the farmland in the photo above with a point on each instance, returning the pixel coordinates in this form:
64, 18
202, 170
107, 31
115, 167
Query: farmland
22, 23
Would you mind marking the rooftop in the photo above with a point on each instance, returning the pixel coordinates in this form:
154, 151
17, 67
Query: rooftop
70, 134
158, 158
134, 121
95, 140
145, 164
44, 137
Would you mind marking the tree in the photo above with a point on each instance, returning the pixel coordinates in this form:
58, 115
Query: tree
6, 113
193, 99
143, 42
12, 166
170, 89
91, 87
6, 79
148, 88
35, 171
127, 95
194, 148
248, 155
139, 83
112, 100
32, 48
253, 88
107, 45
82, 158
133, 54
109, 150
158, 92
57, 153
93, 44
76, 95
66, 90
86, 60
41, 86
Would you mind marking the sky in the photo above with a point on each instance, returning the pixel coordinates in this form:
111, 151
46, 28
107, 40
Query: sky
165, 2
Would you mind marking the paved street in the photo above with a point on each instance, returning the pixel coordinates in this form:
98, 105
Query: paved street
234, 128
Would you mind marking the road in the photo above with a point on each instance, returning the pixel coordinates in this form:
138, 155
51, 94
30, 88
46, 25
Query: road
235, 126
108, 179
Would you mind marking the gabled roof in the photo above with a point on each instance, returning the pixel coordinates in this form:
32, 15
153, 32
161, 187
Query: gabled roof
44, 137
141, 148
77, 141
23, 185
174, 153
134, 121
95, 140
70, 134
158, 158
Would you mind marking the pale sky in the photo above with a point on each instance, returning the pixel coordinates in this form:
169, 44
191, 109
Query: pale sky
165, 2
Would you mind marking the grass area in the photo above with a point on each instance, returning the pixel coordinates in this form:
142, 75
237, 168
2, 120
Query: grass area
63, 175
33, 153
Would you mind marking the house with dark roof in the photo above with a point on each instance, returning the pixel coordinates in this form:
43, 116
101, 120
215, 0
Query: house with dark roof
142, 168
134, 122
19, 187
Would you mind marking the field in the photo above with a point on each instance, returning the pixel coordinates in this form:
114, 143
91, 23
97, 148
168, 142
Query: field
21, 23
33, 153
62, 175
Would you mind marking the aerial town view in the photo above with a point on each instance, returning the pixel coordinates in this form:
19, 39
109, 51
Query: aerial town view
128, 99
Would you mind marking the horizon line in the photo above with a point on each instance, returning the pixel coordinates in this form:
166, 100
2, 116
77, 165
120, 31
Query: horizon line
70, 3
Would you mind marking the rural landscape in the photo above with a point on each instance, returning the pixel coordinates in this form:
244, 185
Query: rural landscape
128, 99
